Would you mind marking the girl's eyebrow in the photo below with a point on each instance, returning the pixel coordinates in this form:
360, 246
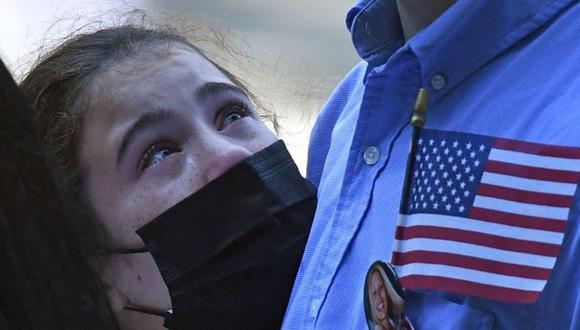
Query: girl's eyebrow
144, 122
210, 88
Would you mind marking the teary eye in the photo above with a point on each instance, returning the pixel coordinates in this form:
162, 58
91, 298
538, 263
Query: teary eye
157, 152
230, 114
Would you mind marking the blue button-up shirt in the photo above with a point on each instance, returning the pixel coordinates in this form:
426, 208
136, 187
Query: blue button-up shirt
498, 68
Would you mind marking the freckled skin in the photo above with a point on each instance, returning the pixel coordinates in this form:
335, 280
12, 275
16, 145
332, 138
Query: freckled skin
126, 199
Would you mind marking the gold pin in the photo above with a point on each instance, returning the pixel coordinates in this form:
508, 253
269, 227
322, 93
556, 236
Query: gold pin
420, 109
418, 121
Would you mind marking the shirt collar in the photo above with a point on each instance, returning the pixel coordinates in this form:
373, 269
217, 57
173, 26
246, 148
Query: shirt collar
464, 38
375, 28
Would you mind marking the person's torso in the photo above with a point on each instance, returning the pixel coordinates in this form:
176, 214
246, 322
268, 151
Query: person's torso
526, 92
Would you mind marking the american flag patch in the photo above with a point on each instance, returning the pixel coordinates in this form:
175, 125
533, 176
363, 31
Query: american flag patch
486, 216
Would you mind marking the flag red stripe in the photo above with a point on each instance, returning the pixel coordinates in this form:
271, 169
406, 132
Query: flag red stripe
485, 265
518, 220
458, 235
524, 196
418, 282
532, 172
537, 148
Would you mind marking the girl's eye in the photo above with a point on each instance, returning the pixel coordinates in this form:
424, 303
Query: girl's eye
157, 153
231, 114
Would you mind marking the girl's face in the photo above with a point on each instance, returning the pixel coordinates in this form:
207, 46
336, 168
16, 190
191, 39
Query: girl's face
379, 296
158, 128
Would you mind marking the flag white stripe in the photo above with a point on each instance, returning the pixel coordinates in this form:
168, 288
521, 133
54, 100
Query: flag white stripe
521, 158
541, 186
533, 210
473, 250
484, 227
471, 275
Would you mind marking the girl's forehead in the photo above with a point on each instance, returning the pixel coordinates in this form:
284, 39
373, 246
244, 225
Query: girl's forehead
159, 60
151, 78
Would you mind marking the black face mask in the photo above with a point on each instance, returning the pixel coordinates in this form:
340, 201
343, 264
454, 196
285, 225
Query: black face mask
229, 253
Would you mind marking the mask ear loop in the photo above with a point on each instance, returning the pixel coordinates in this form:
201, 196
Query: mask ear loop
130, 306
147, 310
127, 250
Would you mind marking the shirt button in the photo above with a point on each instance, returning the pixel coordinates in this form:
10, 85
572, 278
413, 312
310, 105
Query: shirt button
371, 155
438, 82
314, 307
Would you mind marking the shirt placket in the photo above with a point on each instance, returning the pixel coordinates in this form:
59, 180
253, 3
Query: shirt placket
383, 112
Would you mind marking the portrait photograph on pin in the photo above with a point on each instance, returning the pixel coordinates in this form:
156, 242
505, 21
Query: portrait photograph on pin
383, 299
